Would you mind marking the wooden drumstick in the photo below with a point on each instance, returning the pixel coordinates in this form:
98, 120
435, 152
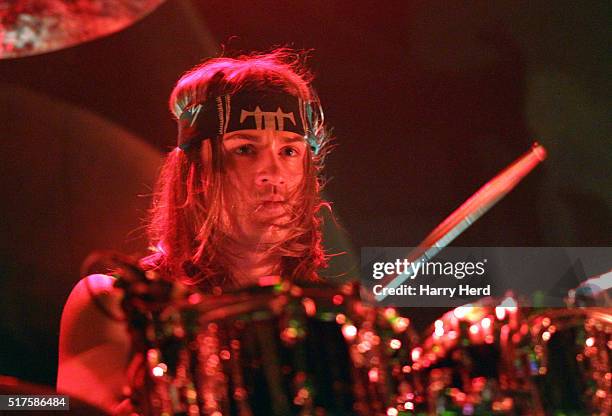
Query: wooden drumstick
470, 211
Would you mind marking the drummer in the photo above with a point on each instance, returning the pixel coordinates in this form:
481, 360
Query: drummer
235, 206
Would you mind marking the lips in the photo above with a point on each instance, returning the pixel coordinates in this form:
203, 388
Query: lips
273, 198
274, 206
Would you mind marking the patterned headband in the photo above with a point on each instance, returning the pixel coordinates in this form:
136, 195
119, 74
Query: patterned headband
247, 111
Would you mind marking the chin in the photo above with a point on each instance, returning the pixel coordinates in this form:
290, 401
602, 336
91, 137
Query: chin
269, 234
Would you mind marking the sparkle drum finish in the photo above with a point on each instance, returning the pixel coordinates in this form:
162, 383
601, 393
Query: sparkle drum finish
494, 357
570, 357
277, 350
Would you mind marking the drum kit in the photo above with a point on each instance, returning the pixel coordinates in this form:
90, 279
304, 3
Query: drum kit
495, 357
285, 349
276, 349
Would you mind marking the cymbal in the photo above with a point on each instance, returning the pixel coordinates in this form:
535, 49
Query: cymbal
32, 27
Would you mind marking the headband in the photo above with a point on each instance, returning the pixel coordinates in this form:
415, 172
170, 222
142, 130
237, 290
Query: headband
247, 111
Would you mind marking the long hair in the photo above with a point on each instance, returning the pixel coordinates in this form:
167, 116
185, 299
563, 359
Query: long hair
184, 225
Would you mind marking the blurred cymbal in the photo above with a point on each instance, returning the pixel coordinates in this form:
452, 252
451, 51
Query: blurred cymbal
32, 27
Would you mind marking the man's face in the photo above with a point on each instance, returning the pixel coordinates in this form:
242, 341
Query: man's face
263, 173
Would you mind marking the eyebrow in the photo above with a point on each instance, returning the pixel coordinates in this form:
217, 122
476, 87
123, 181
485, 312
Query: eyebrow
253, 138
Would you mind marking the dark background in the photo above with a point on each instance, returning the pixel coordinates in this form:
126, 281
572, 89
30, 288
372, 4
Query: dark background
428, 101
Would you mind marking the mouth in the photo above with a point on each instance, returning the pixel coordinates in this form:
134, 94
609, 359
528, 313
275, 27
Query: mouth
272, 207
272, 203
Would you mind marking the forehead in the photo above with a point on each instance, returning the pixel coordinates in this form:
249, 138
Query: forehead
263, 135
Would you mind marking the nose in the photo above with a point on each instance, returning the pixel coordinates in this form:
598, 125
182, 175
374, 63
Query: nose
270, 171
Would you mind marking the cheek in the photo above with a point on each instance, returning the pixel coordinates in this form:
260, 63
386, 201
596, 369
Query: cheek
295, 179
293, 171
240, 172
238, 191
296, 175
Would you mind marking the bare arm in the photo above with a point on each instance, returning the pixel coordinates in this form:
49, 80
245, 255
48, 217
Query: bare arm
94, 349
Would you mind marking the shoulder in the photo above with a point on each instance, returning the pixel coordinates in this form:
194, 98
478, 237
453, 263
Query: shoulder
94, 344
96, 290
92, 315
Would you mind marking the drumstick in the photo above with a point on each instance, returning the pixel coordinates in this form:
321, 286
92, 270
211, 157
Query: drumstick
470, 211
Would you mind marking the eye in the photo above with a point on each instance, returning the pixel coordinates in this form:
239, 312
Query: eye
245, 149
290, 151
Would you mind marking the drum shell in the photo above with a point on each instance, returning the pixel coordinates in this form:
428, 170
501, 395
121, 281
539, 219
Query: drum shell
265, 352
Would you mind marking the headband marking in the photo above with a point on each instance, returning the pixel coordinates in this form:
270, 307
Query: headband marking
272, 120
258, 110
194, 113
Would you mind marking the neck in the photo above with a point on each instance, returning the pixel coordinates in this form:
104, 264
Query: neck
248, 266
